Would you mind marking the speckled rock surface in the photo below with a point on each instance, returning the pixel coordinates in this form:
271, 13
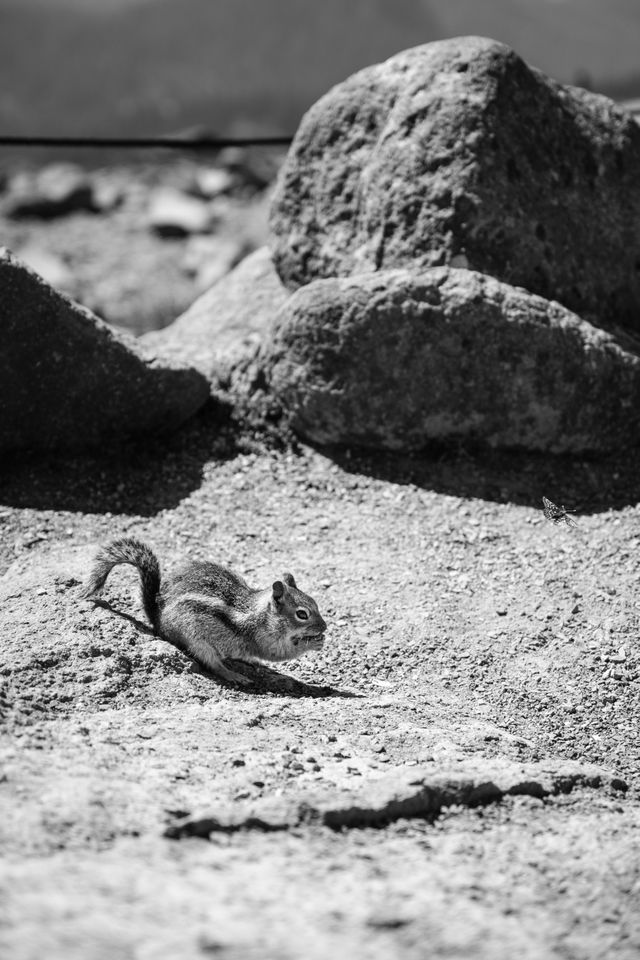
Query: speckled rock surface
396, 359
458, 153
69, 380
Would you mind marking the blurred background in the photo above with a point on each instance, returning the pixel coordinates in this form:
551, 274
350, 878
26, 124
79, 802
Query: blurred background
137, 235
148, 66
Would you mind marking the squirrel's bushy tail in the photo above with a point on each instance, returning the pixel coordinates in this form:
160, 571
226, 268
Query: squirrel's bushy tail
138, 554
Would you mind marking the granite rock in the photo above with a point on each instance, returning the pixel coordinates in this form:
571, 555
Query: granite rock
397, 359
458, 153
68, 380
228, 323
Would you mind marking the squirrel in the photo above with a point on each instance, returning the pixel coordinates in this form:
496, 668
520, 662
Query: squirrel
211, 613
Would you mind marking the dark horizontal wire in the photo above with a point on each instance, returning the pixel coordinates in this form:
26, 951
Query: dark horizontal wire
171, 143
174, 143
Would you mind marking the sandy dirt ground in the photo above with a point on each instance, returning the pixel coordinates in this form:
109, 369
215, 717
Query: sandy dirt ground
454, 775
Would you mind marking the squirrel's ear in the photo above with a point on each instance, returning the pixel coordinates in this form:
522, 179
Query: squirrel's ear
288, 579
278, 590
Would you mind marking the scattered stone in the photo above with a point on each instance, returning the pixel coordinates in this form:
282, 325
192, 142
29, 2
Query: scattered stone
210, 182
458, 149
397, 359
107, 195
173, 213
228, 323
55, 191
67, 380
618, 657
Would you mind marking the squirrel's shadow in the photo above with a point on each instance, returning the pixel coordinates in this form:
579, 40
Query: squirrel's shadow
138, 624
261, 679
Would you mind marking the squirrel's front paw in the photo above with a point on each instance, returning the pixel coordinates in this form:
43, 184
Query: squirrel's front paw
310, 643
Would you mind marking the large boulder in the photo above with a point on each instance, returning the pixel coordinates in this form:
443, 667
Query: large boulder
69, 380
228, 323
397, 359
458, 153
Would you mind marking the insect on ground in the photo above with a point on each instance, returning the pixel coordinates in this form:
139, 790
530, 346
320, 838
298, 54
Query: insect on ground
558, 514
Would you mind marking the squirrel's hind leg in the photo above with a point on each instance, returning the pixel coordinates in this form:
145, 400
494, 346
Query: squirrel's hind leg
182, 627
204, 654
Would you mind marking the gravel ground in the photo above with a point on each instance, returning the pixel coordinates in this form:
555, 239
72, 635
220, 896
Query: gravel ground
536, 623
463, 627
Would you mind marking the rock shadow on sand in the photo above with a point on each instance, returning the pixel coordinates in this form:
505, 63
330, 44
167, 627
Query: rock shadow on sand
142, 476
587, 484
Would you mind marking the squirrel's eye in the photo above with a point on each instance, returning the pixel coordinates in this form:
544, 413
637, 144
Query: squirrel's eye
302, 614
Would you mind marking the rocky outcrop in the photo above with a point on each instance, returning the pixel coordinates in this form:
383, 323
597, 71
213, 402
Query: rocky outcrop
68, 380
399, 358
226, 325
457, 153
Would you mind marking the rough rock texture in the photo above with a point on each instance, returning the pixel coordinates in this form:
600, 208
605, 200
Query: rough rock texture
228, 322
68, 380
458, 153
396, 359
